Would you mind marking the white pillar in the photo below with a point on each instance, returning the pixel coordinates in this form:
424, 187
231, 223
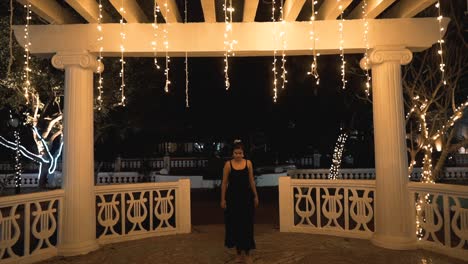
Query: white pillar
394, 224
78, 230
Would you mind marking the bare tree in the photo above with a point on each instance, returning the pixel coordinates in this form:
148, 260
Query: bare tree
435, 98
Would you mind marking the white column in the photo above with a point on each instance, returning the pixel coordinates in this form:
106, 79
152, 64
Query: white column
394, 224
78, 230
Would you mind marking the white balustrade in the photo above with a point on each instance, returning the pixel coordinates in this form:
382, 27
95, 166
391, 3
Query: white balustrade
134, 211
445, 218
333, 207
29, 226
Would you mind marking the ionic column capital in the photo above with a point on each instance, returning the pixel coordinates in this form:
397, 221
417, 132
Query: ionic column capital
383, 54
85, 60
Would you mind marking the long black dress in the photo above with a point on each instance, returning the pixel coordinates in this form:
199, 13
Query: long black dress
239, 213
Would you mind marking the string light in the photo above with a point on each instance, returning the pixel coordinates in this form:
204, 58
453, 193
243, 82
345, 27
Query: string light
275, 73
154, 43
99, 69
122, 50
342, 56
283, 40
27, 46
228, 41
313, 37
441, 42
17, 162
337, 155
366, 53
186, 67
166, 47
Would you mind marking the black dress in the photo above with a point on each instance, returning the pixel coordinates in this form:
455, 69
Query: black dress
239, 213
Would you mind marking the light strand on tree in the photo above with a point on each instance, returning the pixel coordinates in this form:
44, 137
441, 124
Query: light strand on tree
313, 37
166, 47
17, 161
275, 73
154, 43
283, 42
337, 155
366, 53
99, 69
122, 51
186, 65
228, 41
441, 42
342, 55
27, 47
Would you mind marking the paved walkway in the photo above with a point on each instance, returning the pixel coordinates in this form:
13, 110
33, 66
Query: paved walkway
205, 245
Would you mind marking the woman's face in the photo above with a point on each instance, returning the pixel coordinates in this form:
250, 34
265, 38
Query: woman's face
238, 154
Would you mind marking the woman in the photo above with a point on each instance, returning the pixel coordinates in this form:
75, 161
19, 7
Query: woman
239, 198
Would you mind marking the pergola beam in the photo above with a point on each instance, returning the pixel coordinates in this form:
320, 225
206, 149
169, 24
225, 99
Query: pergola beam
292, 8
408, 8
254, 39
133, 12
51, 11
250, 10
330, 9
89, 10
173, 16
209, 10
374, 8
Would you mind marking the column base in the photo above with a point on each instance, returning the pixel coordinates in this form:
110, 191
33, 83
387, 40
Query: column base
77, 248
395, 243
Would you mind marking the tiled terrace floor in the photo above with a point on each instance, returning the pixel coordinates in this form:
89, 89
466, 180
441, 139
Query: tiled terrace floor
205, 245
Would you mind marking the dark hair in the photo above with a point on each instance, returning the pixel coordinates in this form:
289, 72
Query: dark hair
238, 145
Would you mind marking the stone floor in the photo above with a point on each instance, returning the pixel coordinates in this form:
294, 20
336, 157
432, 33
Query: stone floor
205, 245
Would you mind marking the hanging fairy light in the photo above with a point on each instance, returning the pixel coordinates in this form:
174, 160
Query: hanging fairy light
275, 73
342, 56
17, 163
366, 53
337, 155
27, 46
99, 68
228, 41
186, 66
283, 41
313, 37
154, 43
166, 47
122, 50
441, 42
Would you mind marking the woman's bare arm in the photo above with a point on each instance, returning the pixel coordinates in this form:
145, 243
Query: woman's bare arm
252, 181
224, 184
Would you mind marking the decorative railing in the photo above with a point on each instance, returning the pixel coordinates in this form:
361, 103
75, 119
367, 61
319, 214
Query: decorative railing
29, 226
449, 173
444, 218
332, 207
133, 211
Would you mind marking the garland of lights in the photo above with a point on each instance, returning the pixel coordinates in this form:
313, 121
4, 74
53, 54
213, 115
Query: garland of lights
166, 47
228, 44
366, 53
154, 43
441, 42
122, 50
275, 73
337, 155
314, 65
99, 69
17, 162
27, 45
283, 55
186, 66
342, 56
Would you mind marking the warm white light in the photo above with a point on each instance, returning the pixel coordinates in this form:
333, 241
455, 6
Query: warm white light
122, 51
441, 42
342, 55
275, 73
27, 46
154, 43
314, 38
337, 155
166, 47
366, 53
228, 41
99, 69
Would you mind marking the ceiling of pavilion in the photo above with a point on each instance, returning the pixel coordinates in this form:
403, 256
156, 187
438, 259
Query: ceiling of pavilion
141, 11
